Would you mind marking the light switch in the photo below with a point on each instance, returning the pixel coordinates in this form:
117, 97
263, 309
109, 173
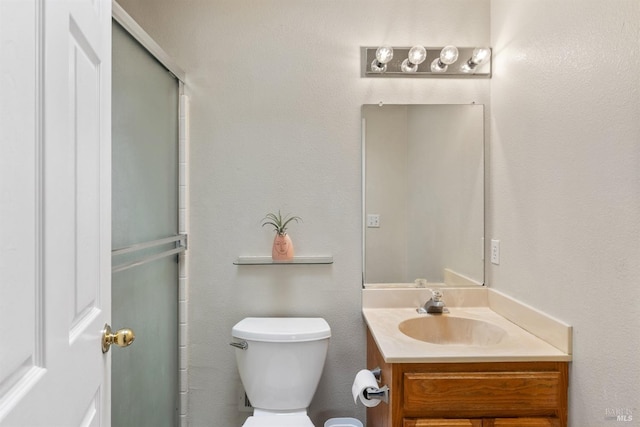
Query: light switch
373, 220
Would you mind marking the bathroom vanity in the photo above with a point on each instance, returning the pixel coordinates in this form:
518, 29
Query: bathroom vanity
486, 394
497, 376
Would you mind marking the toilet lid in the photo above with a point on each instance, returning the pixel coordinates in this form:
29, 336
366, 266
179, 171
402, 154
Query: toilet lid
279, 421
282, 329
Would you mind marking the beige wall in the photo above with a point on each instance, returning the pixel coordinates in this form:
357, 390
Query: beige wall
276, 94
565, 184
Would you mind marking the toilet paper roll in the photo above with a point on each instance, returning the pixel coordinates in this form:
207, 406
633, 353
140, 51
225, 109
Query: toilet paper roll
363, 380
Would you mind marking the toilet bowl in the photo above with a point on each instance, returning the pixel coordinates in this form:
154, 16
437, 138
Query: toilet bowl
278, 421
280, 361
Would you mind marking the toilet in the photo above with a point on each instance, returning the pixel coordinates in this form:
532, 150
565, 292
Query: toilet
280, 360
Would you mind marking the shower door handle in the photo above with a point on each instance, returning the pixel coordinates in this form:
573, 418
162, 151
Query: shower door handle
122, 338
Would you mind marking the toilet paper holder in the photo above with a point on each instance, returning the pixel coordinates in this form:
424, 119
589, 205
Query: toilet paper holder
377, 393
380, 393
377, 373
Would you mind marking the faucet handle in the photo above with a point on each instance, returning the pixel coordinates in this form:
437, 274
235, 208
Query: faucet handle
436, 295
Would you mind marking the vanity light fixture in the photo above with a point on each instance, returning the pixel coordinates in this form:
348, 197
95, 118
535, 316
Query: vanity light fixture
384, 54
416, 56
391, 61
448, 55
479, 57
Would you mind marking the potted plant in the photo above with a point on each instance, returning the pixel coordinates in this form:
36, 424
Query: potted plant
282, 249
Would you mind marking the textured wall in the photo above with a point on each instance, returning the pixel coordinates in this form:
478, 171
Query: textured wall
276, 93
565, 184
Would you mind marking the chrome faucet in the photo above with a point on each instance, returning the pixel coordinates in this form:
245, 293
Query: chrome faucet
435, 305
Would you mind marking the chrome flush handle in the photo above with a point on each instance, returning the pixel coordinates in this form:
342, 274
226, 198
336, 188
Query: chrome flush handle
242, 345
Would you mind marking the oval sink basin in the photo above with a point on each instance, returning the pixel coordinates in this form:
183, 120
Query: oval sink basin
447, 330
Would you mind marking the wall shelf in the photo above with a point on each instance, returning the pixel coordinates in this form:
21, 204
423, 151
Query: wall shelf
266, 260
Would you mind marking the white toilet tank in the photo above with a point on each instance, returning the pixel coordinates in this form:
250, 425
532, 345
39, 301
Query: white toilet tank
283, 361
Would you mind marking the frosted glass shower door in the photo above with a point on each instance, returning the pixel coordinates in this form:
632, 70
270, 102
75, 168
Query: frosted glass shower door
145, 211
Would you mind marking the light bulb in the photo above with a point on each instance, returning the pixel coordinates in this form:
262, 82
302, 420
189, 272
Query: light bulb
478, 57
448, 55
417, 55
481, 55
384, 54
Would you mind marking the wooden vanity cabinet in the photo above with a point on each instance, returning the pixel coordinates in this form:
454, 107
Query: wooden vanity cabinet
488, 394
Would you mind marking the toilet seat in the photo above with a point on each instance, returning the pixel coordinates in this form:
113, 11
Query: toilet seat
279, 421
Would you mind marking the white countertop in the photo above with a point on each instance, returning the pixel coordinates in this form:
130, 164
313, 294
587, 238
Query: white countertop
383, 311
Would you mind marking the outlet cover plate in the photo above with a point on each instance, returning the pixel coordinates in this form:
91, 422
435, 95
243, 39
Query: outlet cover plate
495, 251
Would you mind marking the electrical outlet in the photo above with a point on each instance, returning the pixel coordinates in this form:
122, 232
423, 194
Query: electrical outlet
373, 220
495, 251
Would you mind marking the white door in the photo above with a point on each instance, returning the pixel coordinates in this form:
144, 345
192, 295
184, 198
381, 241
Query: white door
55, 223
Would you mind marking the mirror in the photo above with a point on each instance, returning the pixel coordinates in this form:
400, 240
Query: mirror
423, 196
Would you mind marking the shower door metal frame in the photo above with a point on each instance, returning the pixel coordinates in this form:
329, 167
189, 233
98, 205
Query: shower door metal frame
140, 35
180, 240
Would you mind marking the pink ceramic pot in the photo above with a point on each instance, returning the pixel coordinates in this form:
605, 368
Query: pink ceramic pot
282, 248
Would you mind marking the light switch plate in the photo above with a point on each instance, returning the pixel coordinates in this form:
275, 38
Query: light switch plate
373, 220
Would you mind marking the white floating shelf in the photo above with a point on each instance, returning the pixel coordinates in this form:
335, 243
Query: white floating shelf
266, 260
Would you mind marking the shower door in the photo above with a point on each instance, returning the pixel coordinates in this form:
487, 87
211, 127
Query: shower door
145, 237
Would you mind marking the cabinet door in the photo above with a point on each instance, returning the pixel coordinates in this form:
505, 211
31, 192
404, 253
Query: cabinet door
522, 422
442, 422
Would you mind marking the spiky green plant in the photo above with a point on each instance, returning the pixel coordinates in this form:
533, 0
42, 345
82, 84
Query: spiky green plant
279, 222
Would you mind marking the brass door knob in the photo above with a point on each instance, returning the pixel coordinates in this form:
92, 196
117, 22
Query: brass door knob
122, 338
